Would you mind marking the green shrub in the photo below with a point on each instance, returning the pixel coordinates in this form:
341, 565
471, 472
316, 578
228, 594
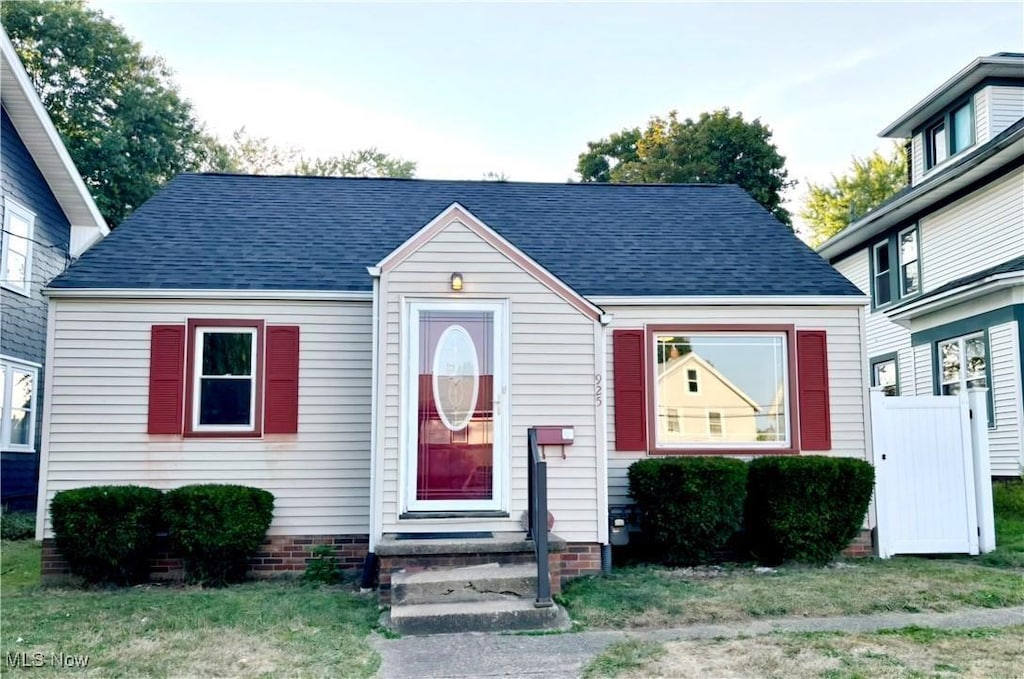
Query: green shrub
323, 567
17, 525
216, 528
805, 508
106, 533
689, 506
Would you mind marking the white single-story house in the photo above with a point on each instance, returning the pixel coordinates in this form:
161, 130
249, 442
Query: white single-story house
374, 351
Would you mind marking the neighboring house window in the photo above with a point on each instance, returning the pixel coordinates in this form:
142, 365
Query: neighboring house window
16, 258
883, 273
896, 267
885, 374
673, 420
18, 393
950, 135
910, 272
224, 379
963, 364
744, 379
715, 428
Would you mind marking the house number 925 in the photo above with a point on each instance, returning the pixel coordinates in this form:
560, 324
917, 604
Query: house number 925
598, 390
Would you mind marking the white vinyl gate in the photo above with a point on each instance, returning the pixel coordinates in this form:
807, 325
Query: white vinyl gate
933, 485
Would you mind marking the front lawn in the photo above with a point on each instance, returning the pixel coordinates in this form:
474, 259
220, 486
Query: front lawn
652, 596
908, 652
261, 629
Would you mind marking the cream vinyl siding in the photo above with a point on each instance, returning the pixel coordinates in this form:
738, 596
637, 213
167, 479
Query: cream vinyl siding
981, 116
883, 336
846, 363
974, 233
917, 158
99, 395
1005, 440
551, 380
1006, 106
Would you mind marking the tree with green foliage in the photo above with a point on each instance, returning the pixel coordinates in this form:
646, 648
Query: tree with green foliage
870, 181
124, 123
249, 154
717, 148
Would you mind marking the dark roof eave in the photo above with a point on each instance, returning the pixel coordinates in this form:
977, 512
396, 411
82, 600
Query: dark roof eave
974, 166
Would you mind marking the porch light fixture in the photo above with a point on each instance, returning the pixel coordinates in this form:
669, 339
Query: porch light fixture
456, 281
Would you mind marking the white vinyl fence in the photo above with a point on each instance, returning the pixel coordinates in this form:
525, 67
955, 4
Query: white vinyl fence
933, 486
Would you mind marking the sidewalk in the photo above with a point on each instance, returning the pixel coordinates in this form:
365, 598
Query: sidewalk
561, 656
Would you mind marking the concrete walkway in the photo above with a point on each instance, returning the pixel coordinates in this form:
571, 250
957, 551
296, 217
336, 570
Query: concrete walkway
561, 656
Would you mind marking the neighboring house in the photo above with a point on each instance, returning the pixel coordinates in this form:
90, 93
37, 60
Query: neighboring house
374, 351
943, 261
48, 219
697, 403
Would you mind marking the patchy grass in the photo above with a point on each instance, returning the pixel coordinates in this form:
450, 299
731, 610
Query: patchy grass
623, 656
652, 596
649, 596
261, 629
910, 652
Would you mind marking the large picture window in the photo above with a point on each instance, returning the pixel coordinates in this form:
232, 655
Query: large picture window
18, 398
742, 395
225, 383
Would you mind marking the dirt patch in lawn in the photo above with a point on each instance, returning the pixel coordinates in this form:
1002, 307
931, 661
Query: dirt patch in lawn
912, 652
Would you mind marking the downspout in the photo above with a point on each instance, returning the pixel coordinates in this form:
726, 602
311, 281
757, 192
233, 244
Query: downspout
370, 563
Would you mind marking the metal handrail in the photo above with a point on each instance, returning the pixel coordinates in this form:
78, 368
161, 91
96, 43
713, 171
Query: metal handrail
537, 517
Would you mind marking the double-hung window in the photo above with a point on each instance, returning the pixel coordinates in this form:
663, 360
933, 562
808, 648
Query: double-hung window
896, 267
18, 396
225, 383
16, 255
884, 374
721, 389
953, 133
963, 363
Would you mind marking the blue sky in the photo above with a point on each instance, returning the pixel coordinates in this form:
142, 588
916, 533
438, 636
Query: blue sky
520, 88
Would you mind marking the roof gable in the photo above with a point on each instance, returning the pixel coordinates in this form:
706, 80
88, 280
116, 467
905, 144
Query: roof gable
230, 232
693, 357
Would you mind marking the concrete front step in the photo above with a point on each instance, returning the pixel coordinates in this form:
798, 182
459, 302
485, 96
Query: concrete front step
486, 582
475, 616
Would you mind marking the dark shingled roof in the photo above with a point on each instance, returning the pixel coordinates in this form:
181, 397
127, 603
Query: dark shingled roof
236, 232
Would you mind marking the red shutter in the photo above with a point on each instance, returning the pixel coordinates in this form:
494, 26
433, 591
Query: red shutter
812, 385
282, 392
630, 395
166, 378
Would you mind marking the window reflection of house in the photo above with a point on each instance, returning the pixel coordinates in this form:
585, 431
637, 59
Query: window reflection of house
717, 410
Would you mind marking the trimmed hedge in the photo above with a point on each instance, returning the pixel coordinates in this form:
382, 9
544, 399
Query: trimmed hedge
17, 525
805, 508
107, 533
689, 506
216, 528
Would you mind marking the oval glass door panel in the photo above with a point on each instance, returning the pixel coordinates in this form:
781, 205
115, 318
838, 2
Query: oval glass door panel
455, 432
456, 377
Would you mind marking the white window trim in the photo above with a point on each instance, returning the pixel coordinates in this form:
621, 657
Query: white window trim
721, 422
917, 260
12, 208
6, 365
695, 380
753, 446
961, 347
197, 377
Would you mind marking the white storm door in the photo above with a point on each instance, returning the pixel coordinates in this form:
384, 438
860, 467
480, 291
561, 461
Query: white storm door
455, 414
